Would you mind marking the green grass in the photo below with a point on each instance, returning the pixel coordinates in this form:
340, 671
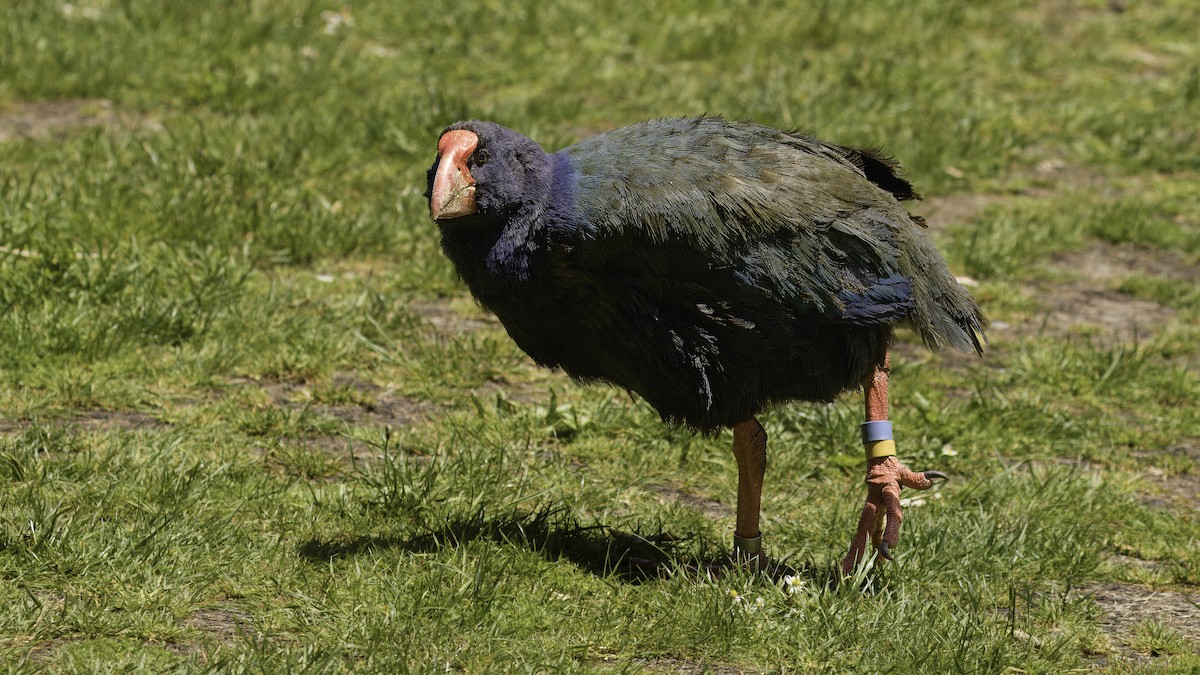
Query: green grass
251, 421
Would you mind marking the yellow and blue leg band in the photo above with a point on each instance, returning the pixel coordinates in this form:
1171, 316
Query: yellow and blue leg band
877, 439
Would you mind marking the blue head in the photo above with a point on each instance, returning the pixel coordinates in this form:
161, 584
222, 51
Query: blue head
486, 174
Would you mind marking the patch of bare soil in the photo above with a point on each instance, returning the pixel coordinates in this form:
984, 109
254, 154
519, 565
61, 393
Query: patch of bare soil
1130, 561
956, 209
109, 419
517, 392
222, 624
1112, 315
46, 119
1174, 491
348, 449
1084, 300
1051, 176
378, 407
1063, 18
443, 317
710, 508
44, 651
1180, 491
1127, 606
93, 420
384, 411
334, 445
678, 666
216, 625
1103, 262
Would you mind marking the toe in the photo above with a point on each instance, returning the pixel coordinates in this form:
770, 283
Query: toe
868, 526
918, 480
883, 550
891, 533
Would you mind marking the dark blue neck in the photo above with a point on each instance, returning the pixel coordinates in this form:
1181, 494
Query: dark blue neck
493, 257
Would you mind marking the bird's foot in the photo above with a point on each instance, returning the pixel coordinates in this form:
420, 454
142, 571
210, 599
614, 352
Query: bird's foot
881, 516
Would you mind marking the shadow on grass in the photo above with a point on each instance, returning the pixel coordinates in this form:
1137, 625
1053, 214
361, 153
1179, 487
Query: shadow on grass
556, 535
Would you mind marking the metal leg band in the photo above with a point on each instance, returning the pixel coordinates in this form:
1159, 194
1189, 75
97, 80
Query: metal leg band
747, 546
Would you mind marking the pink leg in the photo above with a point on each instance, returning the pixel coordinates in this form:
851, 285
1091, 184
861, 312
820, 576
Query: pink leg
881, 516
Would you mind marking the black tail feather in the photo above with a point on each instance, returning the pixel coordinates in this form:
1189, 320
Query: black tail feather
881, 169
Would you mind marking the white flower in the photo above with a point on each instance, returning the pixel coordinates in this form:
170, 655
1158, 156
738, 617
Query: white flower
792, 584
71, 11
747, 606
335, 21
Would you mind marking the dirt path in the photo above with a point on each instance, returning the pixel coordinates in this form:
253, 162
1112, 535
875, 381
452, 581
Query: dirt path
45, 119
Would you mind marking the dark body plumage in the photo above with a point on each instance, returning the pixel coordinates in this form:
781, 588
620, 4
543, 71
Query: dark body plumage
712, 267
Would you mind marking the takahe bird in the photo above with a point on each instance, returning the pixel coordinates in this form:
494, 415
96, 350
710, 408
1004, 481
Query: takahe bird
712, 267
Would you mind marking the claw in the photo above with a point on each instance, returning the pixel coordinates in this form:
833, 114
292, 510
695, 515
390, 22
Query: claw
879, 522
883, 551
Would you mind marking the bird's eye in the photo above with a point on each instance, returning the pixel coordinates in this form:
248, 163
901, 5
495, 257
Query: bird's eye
480, 156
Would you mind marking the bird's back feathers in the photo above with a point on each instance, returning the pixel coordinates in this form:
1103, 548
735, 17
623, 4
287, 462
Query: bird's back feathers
711, 266
789, 212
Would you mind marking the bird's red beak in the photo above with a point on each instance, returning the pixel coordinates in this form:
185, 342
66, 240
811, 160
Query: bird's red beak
453, 193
